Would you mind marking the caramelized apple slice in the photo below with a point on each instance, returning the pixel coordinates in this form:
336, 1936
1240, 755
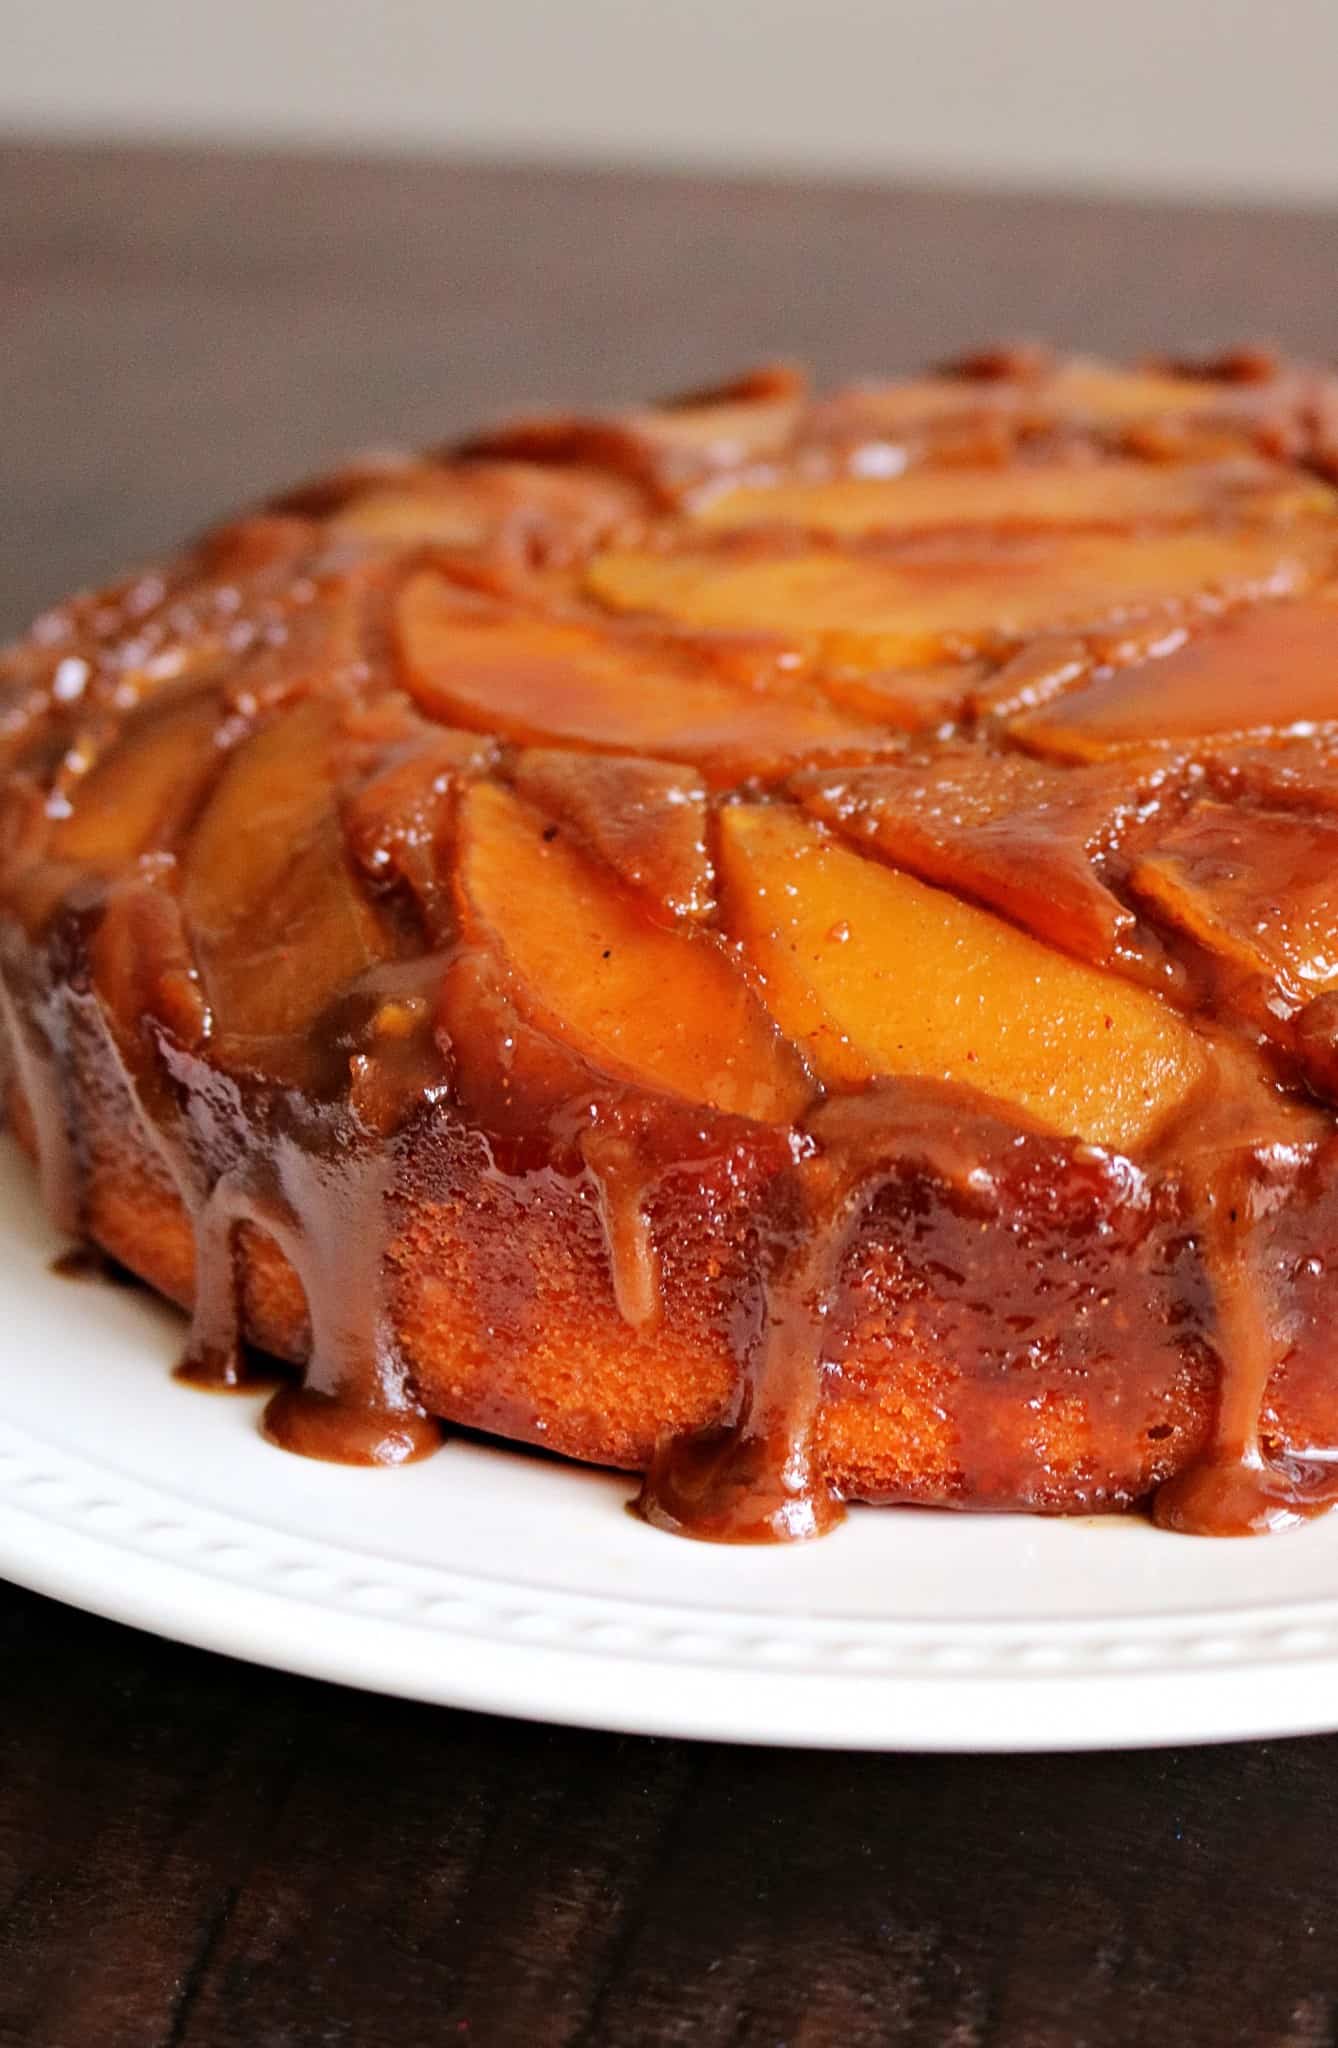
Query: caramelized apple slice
1296, 774
873, 973
143, 790
647, 819
270, 978
748, 420
144, 972
1112, 493
1258, 890
319, 644
398, 824
273, 793
910, 699
226, 610
890, 414
1081, 392
914, 602
536, 678
558, 512
1084, 388
660, 1008
1020, 835
1269, 668
1041, 670
267, 887
136, 800
417, 512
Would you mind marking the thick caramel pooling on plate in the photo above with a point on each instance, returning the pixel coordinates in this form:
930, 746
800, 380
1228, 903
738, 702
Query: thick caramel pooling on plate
786, 944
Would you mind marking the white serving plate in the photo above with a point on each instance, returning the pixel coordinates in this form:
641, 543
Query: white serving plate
494, 1579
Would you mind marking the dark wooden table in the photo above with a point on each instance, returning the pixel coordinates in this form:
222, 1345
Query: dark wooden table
199, 1854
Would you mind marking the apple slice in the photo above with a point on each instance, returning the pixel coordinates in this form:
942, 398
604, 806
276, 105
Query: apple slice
531, 678
420, 511
1020, 835
872, 973
1087, 389
561, 512
1259, 890
319, 644
273, 793
1268, 668
914, 602
140, 793
909, 699
1067, 494
664, 1009
268, 978
1300, 774
747, 420
144, 971
279, 924
1082, 392
647, 819
1041, 670
398, 822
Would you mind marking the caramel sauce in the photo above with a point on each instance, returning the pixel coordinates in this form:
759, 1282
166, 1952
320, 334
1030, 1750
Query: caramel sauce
86, 1262
40, 1073
756, 1478
304, 879
317, 1185
1241, 1163
622, 1176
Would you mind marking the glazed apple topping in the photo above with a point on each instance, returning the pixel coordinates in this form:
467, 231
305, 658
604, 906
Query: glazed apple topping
668, 449
1267, 669
646, 819
268, 891
1259, 891
1023, 836
1024, 399
872, 972
1287, 773
666, 1009
525, 509
1113, 492
920, 600
536, 678
398, 821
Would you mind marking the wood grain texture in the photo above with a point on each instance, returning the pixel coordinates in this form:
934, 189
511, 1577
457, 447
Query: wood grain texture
194, 1854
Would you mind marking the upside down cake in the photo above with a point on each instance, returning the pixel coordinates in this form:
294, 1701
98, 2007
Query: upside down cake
787, 944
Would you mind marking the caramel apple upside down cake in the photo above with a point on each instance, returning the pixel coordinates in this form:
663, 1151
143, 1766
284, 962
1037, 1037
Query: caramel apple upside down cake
787, 944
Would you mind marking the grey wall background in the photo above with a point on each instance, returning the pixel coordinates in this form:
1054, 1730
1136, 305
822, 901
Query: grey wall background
1235, 98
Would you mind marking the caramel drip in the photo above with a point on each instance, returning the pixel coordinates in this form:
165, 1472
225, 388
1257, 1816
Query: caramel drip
244, 1153
213, 1357
320, 1191
1237, 1487
36, 1041
86, 1262
1243, 1152
356, 1404
758, 1477
622, 1177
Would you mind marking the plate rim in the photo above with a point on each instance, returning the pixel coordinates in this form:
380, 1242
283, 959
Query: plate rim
68, 1526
